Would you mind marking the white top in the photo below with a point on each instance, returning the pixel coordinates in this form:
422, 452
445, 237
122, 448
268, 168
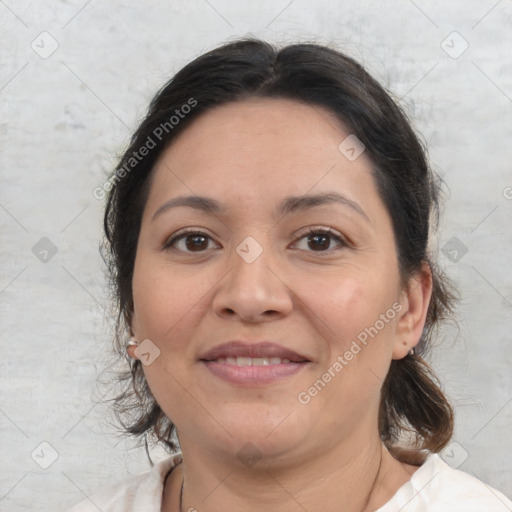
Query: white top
433, 487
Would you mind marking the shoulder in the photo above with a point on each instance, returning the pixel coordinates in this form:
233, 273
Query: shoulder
437, 487
139, 493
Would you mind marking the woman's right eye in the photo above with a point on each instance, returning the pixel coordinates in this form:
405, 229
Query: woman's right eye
189, 241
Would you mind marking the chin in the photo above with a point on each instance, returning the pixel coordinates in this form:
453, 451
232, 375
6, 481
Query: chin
256, 432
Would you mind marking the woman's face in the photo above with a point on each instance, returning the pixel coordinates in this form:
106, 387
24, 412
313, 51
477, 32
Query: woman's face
259, 268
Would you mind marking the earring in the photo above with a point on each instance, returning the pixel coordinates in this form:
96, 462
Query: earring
132, 342
411, 352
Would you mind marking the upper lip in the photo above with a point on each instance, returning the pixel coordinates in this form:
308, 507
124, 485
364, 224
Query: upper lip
253, 349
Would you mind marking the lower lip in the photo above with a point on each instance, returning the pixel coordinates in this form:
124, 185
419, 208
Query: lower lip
253, 374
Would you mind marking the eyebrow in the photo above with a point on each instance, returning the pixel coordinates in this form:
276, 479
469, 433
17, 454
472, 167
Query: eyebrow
288, 205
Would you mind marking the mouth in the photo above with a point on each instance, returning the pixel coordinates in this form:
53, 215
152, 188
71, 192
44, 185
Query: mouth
253, 363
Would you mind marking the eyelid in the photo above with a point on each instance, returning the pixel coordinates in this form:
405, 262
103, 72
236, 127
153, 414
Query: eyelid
310, 230
315, 229
181, 233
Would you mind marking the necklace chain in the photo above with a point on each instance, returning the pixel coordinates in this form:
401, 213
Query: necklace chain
181, 494
183, 483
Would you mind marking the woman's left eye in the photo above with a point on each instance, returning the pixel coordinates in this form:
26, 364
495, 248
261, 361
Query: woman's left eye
319, 240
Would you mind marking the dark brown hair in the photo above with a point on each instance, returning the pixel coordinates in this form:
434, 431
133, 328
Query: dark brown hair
411, 399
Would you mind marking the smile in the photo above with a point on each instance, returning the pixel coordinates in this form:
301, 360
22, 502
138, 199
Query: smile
254, 363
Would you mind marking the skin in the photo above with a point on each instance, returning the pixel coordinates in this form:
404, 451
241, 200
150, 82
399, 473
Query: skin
326, 454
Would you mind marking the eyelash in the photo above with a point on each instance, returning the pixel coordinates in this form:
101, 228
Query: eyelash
309, 231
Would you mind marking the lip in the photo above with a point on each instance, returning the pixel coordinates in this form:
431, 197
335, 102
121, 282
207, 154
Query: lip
253, 375
256, 349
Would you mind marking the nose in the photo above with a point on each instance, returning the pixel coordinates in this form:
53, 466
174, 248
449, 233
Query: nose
253, 291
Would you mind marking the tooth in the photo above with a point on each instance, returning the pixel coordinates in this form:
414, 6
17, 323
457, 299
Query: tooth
251, 361
260, 361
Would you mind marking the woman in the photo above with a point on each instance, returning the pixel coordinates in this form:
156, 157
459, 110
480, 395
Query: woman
268, 230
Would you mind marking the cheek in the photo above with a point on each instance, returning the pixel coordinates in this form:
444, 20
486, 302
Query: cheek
348, 301
355, 354
168, 307
357, 339
162, 298
165, 312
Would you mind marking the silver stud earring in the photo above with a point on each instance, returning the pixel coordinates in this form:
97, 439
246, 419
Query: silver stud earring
131, 343
411, 352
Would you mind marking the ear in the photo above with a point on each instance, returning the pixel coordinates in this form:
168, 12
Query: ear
130, 350
415, 301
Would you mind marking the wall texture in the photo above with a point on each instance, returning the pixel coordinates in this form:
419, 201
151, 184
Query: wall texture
75, 78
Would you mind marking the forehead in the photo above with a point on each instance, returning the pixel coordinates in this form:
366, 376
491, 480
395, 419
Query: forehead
258, 150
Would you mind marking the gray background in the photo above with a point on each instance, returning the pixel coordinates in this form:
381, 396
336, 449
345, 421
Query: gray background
66, 115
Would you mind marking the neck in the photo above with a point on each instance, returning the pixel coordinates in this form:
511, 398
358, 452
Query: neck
344, 478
